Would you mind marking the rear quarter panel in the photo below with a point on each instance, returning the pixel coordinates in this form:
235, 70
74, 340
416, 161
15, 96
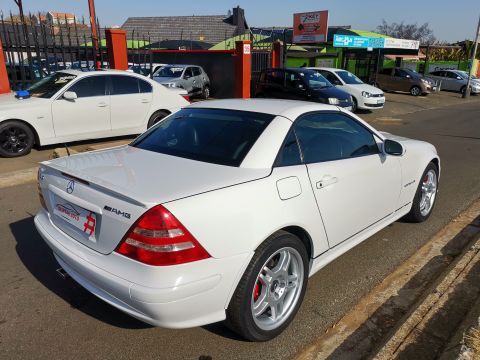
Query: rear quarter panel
239, 218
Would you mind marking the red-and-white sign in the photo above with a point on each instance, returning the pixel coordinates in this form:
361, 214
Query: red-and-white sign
310, 27
247, 49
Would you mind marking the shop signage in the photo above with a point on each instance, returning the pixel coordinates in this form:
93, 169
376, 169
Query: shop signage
310, 27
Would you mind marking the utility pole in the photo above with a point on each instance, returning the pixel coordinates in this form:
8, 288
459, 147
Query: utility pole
466, 94
93, 27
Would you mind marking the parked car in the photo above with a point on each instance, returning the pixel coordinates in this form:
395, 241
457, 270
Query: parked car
455, 80
25, 73
396, 79
71, 105
364, 96
300, 84
224, 209
189, 77
144, 69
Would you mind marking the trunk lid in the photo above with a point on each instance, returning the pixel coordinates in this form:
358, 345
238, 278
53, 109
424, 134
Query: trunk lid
113, 188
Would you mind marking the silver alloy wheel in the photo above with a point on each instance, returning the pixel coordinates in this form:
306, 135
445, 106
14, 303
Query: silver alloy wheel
415, 91
429, 191
277, 288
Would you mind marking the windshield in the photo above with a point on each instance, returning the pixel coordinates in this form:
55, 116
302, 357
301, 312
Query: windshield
314, 80
349, 78
464, 75
48, 86
210, 135
169, 71
412, 73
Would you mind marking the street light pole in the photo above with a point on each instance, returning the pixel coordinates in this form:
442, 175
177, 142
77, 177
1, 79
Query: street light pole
466, 94
93, 27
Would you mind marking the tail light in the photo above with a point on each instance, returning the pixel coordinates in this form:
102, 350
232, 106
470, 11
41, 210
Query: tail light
186, 97
39, 189
158, 238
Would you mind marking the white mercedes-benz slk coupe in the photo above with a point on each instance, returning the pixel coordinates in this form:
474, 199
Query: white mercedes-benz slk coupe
225, 208
72, 105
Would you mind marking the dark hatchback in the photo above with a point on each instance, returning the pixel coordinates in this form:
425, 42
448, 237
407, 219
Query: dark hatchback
300, 84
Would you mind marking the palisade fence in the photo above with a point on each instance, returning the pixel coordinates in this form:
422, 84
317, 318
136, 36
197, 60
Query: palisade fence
34, 48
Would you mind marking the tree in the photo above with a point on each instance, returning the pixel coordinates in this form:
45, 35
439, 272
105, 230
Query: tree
422, 33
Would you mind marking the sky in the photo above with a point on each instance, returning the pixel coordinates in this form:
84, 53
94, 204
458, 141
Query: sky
450, 20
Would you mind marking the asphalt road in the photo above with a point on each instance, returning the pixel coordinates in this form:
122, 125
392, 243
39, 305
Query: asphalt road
43, 316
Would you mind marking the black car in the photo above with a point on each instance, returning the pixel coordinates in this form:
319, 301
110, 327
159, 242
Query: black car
300, 84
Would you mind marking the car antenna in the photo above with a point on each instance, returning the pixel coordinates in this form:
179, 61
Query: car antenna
66, 148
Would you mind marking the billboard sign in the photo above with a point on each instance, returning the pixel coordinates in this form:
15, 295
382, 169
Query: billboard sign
374, 42
392, 43
310, 27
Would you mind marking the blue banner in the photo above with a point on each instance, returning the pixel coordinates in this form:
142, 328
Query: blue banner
358, 41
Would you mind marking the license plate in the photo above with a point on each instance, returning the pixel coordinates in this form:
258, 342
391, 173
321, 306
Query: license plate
83, 219
380, 101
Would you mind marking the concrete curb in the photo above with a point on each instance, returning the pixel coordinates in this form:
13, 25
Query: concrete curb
365, 328
18, 177
416, 324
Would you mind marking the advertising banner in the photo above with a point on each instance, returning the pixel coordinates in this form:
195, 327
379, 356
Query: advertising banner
311, 27
374, 42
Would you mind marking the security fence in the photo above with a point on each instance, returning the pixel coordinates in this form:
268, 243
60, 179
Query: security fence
35, 48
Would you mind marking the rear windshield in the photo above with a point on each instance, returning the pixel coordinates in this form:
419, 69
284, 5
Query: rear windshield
210, 135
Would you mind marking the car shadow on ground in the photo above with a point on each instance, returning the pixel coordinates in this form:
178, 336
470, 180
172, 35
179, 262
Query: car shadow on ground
39, 260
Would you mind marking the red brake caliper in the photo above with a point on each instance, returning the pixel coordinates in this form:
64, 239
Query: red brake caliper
425, 179
256, 291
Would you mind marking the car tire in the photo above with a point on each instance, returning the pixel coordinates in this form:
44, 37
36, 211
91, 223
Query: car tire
16, 139
265, 301
354, 105
425, 195
156, 117
415, 91
206, 92
463, 89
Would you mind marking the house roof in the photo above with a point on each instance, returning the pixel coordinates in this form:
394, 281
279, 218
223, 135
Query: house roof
62, 14
210, 28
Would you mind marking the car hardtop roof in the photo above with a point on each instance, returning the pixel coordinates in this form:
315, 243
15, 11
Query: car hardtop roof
182, 65
102, 71
290, 109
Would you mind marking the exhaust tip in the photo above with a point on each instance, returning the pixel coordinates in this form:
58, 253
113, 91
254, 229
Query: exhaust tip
62, 273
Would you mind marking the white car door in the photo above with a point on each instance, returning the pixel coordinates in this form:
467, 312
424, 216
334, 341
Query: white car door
87, 116
130, 99
354, 184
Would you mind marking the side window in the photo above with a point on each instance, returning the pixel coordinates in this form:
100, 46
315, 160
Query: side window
188, 73
275, 77
333, 136
293, 81
145, 87
290, 153
330, 77
451, 75
398, 73
90, 86
122, 85
386, 71
196, 71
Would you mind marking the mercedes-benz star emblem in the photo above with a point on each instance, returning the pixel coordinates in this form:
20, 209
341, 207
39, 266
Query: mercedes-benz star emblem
70, 186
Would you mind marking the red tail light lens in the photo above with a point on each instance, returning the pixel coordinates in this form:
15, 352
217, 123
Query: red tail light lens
158, 238
186, 97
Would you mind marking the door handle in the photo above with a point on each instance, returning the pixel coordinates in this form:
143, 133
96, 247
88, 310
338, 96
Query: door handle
145, 101
102, 104
327, 180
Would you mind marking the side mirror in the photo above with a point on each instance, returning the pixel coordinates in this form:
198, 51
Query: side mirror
394, 148
459, 78
186, 76
70, 95
408, 76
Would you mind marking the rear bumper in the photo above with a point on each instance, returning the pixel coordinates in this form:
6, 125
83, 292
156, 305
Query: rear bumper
178, 296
